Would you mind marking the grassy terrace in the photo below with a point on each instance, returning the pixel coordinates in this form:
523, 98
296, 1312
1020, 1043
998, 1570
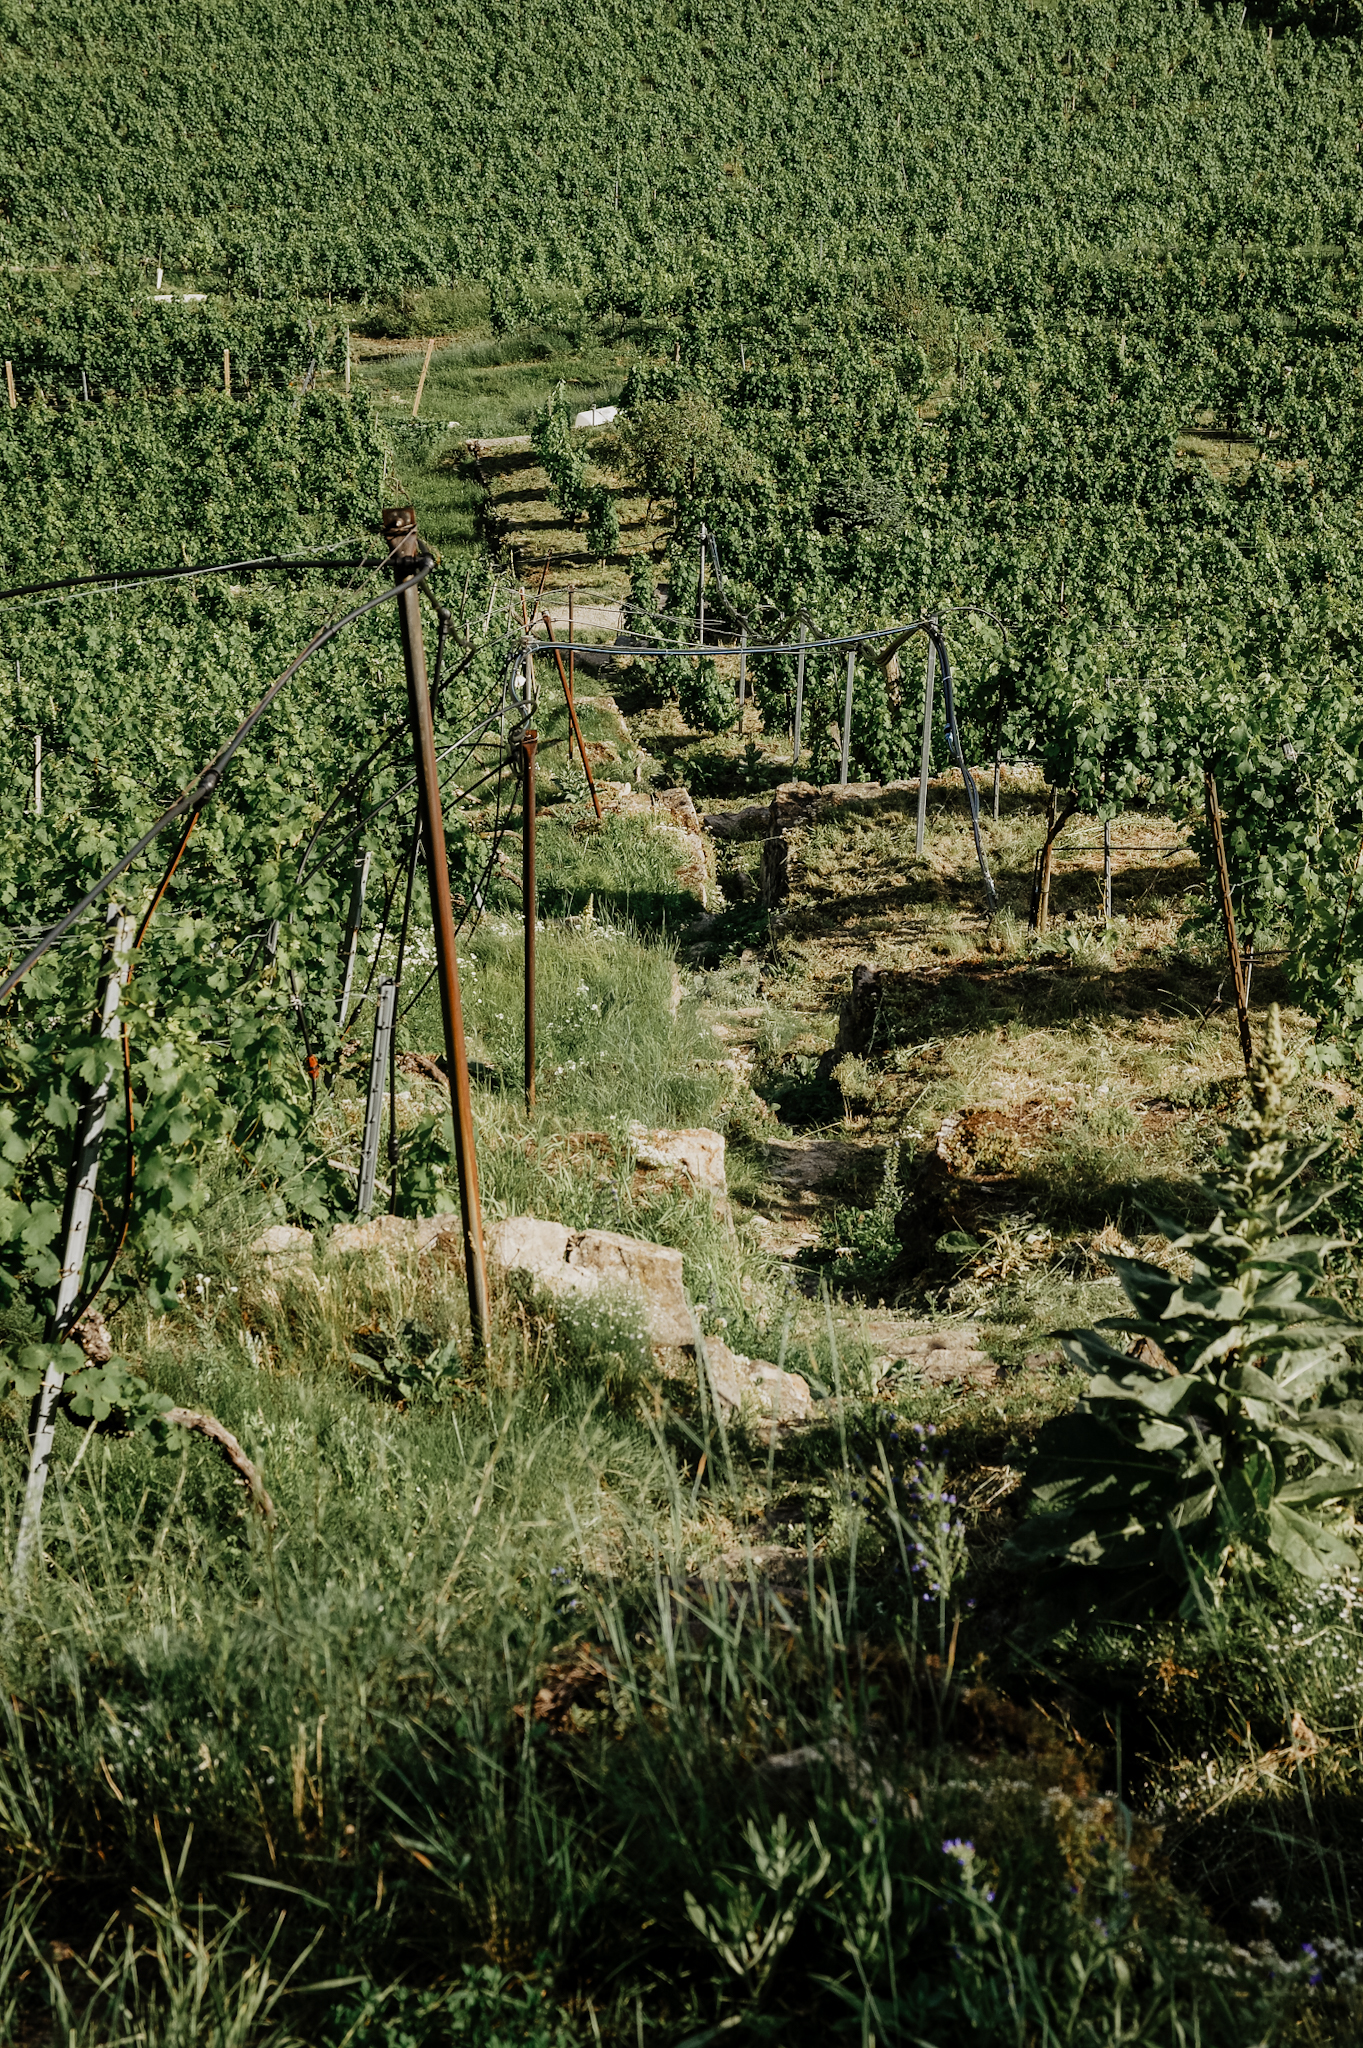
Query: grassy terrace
551, 1707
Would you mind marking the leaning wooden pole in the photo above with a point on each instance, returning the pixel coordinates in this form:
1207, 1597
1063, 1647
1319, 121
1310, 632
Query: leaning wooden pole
399, 532
572, 717
80, 1206
1237, 965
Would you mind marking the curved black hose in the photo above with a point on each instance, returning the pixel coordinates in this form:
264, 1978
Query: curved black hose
178, 573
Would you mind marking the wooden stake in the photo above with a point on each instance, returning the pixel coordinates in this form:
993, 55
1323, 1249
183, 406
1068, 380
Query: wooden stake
347, 362
1237, 967
529, 742
799, 697
9, 384
572, 677
421, 380
847, 716
227, 371
925, 758
80, 1206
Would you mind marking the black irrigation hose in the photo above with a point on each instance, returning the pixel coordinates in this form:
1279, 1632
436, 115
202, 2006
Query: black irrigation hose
194, 799
179, 573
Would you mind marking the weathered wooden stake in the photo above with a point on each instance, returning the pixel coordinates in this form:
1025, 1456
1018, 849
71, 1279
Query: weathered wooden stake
359, 883
80, 1203
529, 904
373, 1108
1107, 871
9, 385
925, 759
421, 380
572, 670
1237, 967
847, 716
227, 371
799, 698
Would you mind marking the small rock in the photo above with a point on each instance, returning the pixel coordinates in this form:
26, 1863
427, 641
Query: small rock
397, 1234
698, 1154
735, 1381
283, 1240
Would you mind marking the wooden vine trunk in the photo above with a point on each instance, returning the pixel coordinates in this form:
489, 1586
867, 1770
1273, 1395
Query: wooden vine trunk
1056, 820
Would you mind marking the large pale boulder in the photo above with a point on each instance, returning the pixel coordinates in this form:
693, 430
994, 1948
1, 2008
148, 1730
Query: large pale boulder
580, 1261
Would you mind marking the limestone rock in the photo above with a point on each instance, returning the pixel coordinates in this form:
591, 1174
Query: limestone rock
942, 1357
737, 1381
580, 1261
696, 1154
389, 1234
283, 1241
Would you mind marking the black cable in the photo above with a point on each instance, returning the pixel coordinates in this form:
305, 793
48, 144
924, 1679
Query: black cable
195, 798
954, 744
179, 573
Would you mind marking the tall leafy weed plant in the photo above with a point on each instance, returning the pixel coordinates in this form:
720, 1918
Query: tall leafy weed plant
1167, 1478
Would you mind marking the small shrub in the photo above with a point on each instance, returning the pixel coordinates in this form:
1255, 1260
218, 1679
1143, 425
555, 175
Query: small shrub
1237, 1451
706, 698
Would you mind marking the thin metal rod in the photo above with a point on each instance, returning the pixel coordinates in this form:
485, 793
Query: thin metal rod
399, 528
799, 698
572, 672
742, 675
529, 741
1237, 968
701, 634
572, 718
925, 760
80, 1203
413, 855
358, 884
378, 1081
1107, 870
37, 770
847, 716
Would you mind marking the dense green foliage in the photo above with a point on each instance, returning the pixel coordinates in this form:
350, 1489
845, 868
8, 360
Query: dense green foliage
343, 148
124, 341
137, 483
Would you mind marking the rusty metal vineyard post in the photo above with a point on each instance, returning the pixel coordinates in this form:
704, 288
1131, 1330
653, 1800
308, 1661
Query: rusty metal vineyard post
399, 532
